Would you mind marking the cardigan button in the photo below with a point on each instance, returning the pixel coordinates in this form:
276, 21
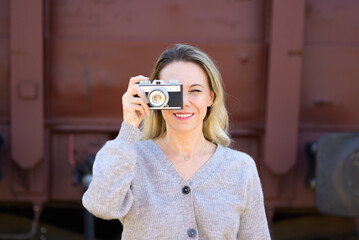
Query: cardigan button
186, 190
192, 233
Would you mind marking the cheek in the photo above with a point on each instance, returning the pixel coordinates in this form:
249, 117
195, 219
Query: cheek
203, 102
166, 114
202, 105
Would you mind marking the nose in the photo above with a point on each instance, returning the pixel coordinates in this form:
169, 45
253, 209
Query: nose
186, 101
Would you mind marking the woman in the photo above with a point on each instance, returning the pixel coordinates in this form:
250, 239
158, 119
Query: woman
177, 178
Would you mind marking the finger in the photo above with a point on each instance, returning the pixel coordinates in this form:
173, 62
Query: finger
134, 100
131, 101
138, 109
136, 91
140, 101
136, 80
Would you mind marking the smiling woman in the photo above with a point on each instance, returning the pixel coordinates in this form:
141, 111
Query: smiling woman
176, 178
197, 97
215, 124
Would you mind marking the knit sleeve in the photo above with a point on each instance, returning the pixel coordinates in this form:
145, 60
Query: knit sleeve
109, 195
253, 223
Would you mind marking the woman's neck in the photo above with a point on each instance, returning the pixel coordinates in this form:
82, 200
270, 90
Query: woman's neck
186, 144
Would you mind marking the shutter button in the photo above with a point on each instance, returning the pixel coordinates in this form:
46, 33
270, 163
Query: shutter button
192, 233
186, 190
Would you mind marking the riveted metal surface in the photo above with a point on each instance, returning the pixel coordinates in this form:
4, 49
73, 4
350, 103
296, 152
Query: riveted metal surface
330, 69
330, 85
328, 92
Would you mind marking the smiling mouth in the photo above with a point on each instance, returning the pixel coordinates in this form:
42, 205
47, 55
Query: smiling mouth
183, 115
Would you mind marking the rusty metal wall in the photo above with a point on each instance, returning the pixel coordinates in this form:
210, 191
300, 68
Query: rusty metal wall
329, 82
91, 49
96, 46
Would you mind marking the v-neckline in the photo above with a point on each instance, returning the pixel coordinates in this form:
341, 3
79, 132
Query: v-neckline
200, 175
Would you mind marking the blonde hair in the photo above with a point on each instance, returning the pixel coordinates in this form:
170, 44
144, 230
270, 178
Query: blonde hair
215, 124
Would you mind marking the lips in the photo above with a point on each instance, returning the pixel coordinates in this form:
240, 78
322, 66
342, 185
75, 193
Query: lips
183, 115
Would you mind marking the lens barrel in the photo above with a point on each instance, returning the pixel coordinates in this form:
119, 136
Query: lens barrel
158, 97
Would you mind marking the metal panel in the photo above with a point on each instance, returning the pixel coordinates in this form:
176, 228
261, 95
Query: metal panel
330, 86
26, 30
95, 47
284, 79
243, 71
330, 67
332, 22
88, 78
171, 21
69, 155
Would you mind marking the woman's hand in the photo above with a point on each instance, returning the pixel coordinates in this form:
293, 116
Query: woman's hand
134, 102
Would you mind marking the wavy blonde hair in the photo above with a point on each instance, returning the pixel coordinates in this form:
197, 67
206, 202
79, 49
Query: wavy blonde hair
215, 124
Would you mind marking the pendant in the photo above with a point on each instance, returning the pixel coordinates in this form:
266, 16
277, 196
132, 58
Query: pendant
186, 158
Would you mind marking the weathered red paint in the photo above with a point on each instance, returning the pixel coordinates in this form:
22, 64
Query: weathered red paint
283, 63
26, 72
283, 90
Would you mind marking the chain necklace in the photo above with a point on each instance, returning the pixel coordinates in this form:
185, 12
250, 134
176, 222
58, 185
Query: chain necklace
186, 157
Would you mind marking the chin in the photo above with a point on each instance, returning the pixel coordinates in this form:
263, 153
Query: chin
187, 129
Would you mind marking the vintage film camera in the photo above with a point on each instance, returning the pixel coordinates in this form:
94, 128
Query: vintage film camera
163, 96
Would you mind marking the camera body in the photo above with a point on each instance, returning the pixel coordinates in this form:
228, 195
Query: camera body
163, 96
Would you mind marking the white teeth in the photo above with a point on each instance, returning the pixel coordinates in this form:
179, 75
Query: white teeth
183, 115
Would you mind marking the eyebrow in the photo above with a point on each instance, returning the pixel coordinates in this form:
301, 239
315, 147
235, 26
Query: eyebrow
197, 85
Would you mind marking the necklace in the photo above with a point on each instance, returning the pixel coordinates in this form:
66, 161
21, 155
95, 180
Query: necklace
186, 157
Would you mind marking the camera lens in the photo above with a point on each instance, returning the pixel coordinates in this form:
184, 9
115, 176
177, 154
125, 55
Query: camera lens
158, 97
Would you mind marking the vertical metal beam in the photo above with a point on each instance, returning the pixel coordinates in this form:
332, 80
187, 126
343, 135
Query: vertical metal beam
26, 72
283, 96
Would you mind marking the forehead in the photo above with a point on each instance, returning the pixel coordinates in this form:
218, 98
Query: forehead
184, 72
